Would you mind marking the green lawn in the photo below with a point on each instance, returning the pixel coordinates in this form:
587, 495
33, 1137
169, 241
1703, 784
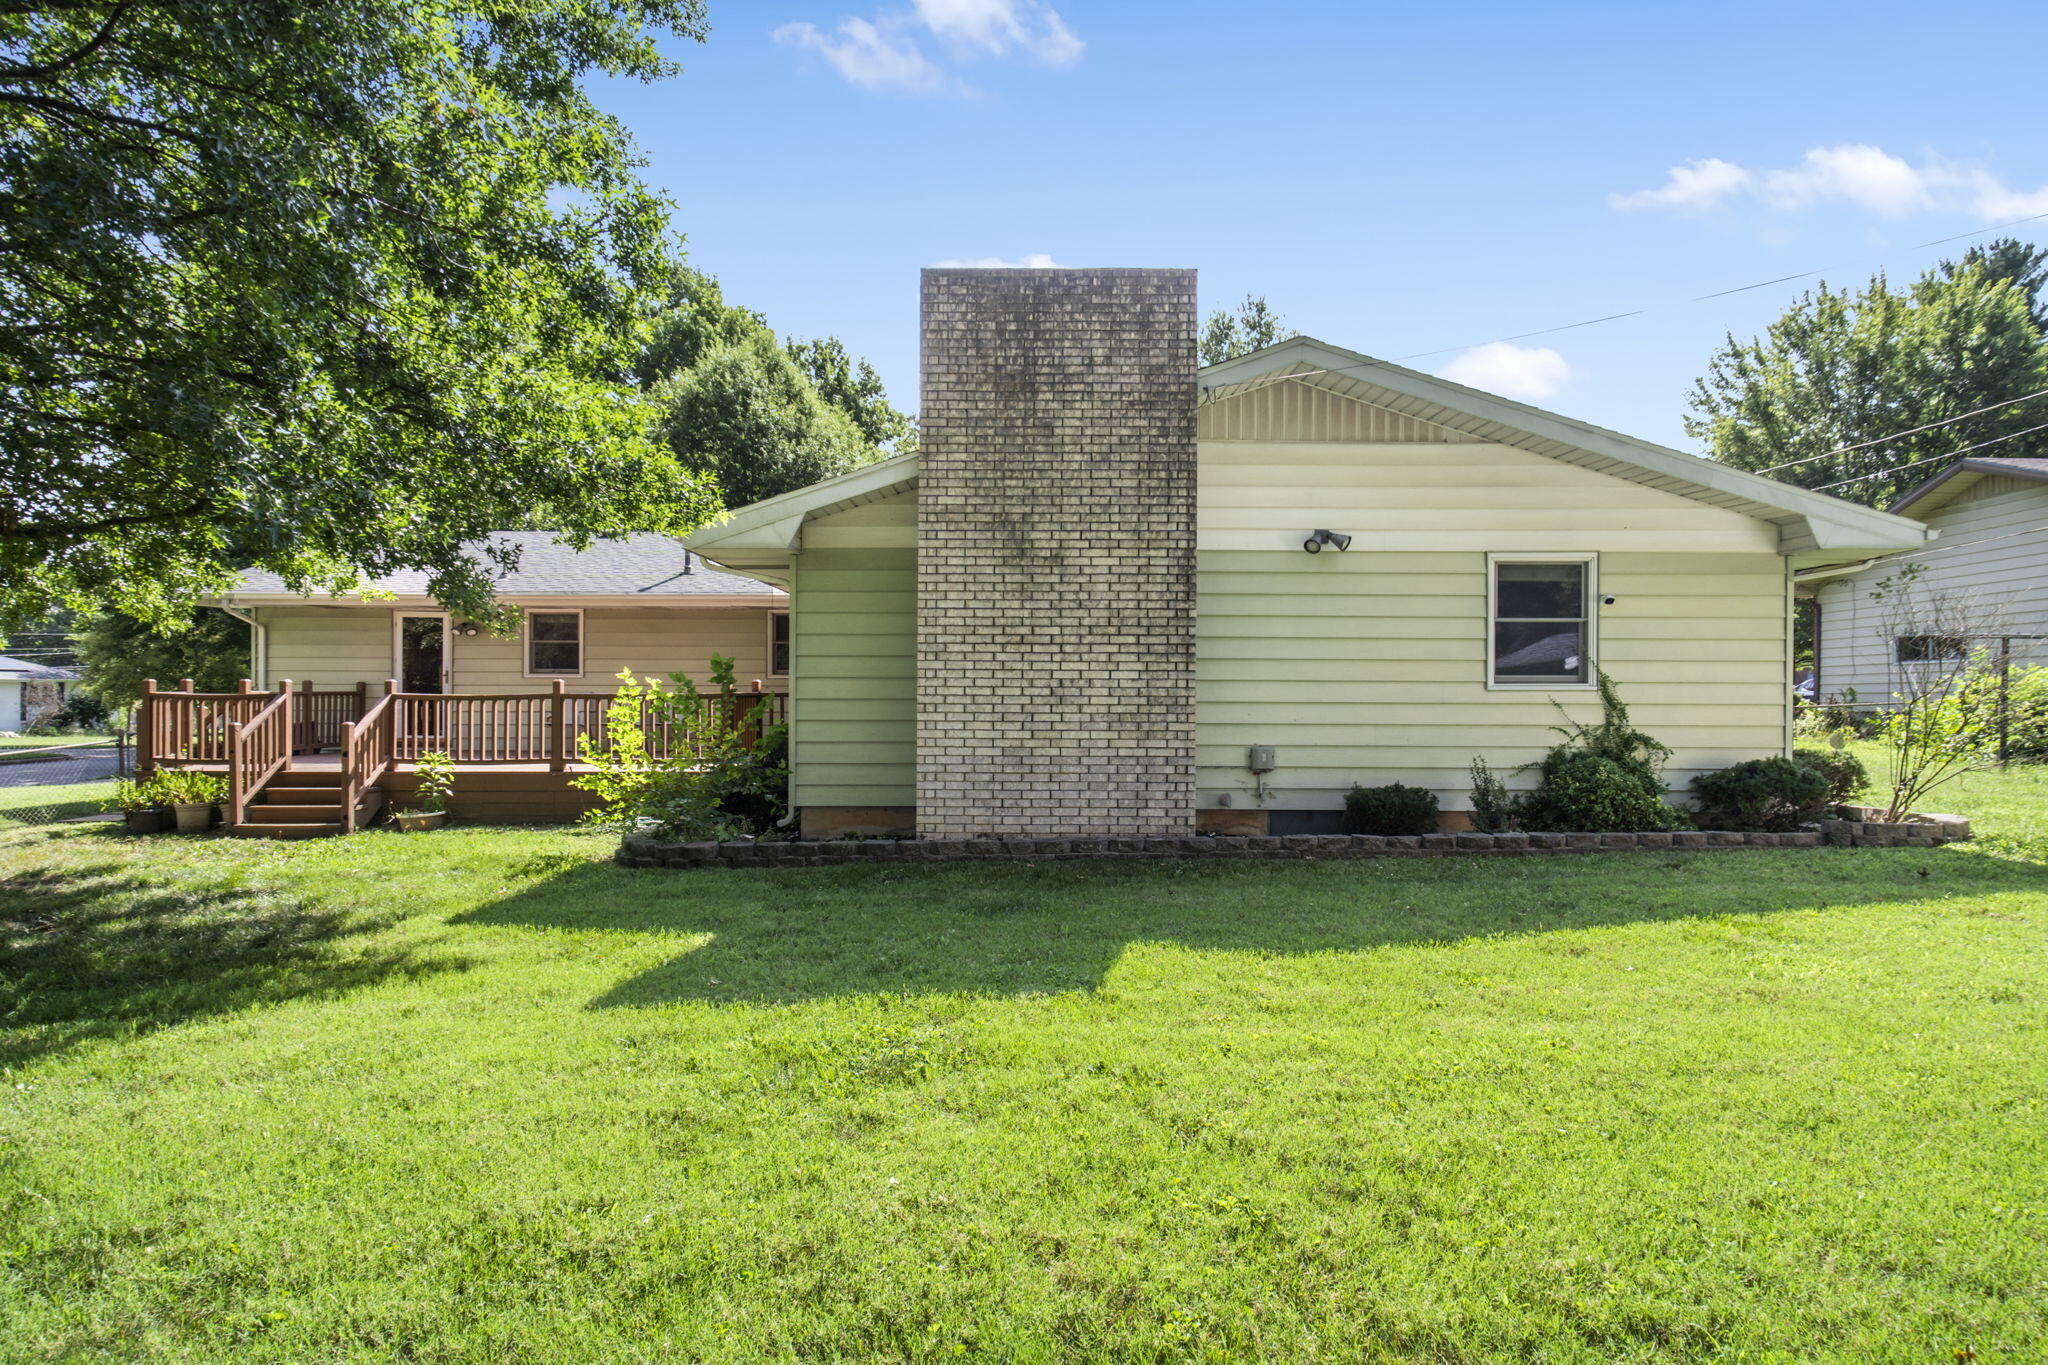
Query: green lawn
479, 1095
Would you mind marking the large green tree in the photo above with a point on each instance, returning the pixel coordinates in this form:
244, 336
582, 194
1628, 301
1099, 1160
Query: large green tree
1252, 326
325, 288
2023, 264
751, 415
1862, 369
117, 651
747, 419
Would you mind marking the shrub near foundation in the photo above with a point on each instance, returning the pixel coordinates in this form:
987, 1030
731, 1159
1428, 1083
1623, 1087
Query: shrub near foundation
1762, 794
1602, 779
1390, 810
1844, 771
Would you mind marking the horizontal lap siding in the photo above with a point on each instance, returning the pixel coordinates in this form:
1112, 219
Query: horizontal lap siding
854, 634
1369, 665
340, 646
326, 647
1994, 542
647, 640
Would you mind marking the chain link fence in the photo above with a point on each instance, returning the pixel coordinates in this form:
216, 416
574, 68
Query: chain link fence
58, 781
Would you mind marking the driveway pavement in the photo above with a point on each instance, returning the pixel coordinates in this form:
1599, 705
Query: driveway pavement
84, 766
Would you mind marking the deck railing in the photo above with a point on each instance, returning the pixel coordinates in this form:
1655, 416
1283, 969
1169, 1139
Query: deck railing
366, 752
184, 727
258, 749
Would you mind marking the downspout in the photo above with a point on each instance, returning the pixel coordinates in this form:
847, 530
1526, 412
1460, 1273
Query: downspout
259, 646
1792, 661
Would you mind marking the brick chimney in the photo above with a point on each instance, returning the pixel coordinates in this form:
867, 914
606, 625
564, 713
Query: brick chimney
1056, 553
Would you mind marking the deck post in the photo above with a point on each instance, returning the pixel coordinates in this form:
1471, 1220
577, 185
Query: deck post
237, 797
145, 730
558, 739
349, 778
243, 687
362, 698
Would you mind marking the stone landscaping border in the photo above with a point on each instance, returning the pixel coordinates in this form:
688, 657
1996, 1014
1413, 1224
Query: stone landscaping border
636, 851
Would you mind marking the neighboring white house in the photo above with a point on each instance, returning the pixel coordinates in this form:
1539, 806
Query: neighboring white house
28, 691
1992, 520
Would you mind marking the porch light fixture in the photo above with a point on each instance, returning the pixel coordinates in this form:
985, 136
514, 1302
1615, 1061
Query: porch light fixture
1315, 543
467, 628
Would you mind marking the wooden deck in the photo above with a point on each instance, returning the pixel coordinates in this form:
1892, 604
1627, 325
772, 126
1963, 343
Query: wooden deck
300, 764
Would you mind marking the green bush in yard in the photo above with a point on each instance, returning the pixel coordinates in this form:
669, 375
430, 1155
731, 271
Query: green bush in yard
1589, 794
1493, 810
1602, 780
1764, 793
1844, 771
2026, 723
1392, 809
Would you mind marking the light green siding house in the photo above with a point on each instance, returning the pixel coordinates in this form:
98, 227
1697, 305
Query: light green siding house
1498, 556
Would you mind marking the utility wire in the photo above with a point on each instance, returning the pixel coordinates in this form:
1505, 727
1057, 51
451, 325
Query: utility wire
1914, 431
1931, 459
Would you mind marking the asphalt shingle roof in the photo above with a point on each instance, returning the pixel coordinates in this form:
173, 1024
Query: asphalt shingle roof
638, 565
17, 670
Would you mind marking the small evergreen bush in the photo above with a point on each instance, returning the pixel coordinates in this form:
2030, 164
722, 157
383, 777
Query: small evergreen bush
1764, 793
1493, 810
1392, 809
1602, 779
1844, 771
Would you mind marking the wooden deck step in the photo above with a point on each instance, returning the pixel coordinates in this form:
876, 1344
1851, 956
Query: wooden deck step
303, 810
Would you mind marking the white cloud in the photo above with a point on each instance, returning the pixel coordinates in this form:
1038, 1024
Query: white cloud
1036, 260
1853, 173
1509, 370
871, 57
1695, 185
1866, 176
885, 53
999, 26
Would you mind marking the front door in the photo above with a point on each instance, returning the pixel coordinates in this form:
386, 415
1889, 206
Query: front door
422, 649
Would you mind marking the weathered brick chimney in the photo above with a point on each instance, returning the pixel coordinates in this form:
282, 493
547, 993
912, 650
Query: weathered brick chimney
1056, 553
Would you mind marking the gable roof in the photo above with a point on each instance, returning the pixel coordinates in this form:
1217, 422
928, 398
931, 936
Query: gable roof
21, 670
760, 536
646, 567
1965, 474
1813, 527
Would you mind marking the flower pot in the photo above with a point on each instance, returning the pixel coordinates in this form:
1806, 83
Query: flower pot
193, 819
420, 819
150, 821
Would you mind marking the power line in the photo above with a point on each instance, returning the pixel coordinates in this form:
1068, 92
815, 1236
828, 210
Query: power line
1978, 232
1914, 431
1940, 549
1931, 459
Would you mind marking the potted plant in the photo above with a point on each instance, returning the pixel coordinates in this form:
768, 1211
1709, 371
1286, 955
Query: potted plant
437, 783
194, 798
141, 803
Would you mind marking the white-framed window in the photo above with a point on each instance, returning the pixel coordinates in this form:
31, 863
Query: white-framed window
1930, 649
778, 644
1541, 627
554, 644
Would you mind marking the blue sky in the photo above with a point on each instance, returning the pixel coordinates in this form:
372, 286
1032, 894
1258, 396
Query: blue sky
1396, 178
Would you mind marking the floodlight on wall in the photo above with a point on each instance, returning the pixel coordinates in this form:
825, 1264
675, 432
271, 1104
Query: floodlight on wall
1315, 543
468, 628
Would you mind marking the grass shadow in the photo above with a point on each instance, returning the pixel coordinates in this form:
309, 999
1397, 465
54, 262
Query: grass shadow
1007, 929
96, 951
